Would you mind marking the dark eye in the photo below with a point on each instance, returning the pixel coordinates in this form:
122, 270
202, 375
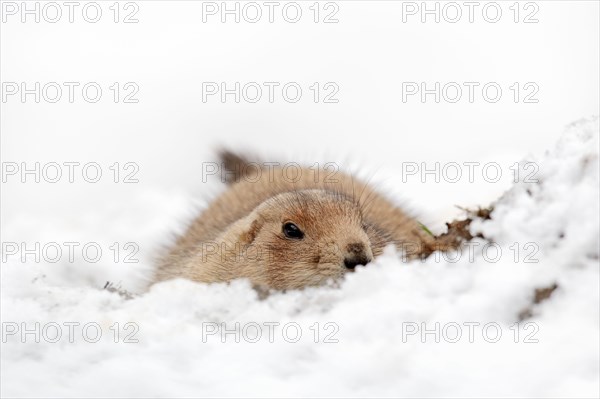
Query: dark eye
292, 231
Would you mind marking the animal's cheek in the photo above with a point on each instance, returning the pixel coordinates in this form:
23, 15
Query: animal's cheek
330, 269
254, 253
329, 262
330, 253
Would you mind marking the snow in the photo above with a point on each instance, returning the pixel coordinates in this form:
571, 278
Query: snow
374, 344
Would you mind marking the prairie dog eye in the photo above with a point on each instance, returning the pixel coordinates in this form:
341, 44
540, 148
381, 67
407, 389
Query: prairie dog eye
292, 231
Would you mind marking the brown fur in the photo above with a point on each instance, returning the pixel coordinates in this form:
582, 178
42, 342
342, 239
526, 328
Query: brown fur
240, 233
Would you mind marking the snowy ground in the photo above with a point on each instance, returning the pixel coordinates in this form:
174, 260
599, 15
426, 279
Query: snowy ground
365, 338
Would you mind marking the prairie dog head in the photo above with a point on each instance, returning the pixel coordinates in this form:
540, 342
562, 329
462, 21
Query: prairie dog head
301, 238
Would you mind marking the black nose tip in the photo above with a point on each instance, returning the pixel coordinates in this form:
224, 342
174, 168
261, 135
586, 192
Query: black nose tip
351, 263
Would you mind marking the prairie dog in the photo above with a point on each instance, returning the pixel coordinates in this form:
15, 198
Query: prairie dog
289, 233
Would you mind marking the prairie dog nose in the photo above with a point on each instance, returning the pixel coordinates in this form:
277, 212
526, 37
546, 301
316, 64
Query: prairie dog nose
357, 254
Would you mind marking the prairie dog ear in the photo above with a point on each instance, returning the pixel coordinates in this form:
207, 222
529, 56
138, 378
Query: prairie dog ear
251, 227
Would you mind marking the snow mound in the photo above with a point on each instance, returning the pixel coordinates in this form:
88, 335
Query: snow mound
462, 325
